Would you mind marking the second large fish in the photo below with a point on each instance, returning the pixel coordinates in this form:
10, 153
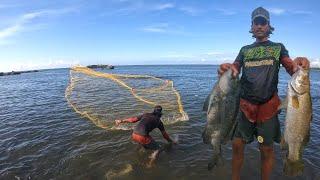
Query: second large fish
298, 119
222, 106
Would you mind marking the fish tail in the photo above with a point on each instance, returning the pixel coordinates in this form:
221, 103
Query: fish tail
217, 160
293, 168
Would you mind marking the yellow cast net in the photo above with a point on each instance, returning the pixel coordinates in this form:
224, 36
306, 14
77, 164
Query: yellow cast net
104, 97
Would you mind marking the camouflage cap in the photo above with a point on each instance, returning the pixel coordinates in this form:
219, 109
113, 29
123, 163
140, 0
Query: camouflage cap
260, 12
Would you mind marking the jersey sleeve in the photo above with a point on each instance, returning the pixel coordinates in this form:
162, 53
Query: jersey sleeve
283, 52
285, 60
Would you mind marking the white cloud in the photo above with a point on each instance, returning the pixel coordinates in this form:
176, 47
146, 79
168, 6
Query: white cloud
129, 7
33, 65
7, 32
214, 53
280, 11
227, 12
190, 10
220, 57
302, 12
156, 28
6, 6
25, 21
315, 63
164, 28
214, 57
163, 6
277, 11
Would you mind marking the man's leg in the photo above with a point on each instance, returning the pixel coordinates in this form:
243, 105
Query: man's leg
153, 157
267, 161
243, 135
268, 132
237, 157
153, 145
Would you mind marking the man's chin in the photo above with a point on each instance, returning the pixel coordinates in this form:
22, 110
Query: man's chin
260, 36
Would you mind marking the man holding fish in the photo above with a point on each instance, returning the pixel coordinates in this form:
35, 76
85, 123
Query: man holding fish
259, 101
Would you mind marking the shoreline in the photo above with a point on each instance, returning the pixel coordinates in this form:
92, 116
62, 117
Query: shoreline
16, 72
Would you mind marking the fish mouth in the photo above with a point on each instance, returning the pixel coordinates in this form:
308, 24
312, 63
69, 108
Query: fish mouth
300, 81
300, 89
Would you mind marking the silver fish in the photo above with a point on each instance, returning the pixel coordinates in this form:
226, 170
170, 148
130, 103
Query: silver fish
297, 123
222, 107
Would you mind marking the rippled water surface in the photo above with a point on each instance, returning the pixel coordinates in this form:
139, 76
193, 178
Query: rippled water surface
41, 137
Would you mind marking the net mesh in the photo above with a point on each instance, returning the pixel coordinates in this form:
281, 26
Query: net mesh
104, 97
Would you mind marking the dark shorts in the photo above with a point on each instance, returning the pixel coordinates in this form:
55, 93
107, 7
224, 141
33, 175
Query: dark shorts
266, 132
153, 145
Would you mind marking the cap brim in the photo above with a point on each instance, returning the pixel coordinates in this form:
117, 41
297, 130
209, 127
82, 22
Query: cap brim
260, 16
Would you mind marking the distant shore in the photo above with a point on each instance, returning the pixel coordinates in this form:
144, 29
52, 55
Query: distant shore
103, 66
112, 67
16, 72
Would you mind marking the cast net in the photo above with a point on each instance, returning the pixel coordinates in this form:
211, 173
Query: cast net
104, 97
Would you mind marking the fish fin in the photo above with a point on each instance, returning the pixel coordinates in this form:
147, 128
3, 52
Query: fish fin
283, 144
295, 102
206, 103
205, 137
284, 104
293, 168
216, 161
306, 139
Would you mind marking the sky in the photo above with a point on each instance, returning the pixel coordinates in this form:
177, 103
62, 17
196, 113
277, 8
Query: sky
41, 34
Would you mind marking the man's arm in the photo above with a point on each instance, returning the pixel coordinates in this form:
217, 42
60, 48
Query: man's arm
235, 66
128, 120
292, 66
164, 133
166, 136
289, 65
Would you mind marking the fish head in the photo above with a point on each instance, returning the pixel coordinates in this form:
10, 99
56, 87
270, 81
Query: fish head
300, 81
227, 82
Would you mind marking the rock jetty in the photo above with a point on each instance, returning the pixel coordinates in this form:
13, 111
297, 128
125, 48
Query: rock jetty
103, 66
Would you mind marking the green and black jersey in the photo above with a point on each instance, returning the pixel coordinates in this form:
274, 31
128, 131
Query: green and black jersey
260, 64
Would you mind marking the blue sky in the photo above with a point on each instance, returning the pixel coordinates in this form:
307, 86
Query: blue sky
37, 34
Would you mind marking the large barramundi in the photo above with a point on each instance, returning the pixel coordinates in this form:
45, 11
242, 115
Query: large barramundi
297, 123
222, 107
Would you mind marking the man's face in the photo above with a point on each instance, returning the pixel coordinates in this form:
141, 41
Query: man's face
260, 27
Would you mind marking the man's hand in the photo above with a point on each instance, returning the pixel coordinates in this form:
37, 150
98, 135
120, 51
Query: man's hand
174, 142
118, 122
301, 61
225, 66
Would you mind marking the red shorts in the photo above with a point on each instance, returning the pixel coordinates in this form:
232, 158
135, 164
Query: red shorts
141, 139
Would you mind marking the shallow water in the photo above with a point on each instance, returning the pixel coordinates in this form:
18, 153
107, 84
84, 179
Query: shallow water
41, 137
